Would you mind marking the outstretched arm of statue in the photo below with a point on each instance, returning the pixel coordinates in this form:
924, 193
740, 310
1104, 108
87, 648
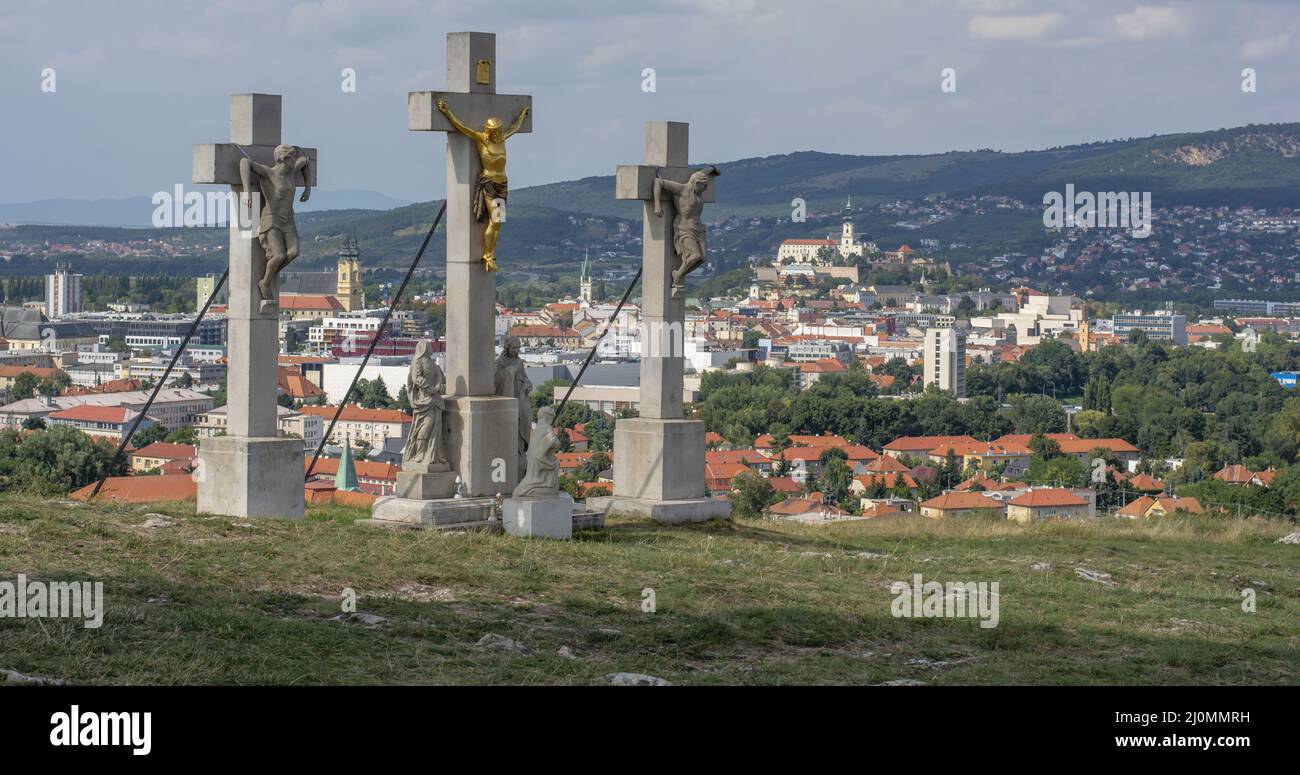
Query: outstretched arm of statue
247, 168
519, 121
455, 122
303, 165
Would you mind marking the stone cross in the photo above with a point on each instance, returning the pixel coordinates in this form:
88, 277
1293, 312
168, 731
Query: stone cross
251, 471
663, 317
471, 291
659, 455
481, 427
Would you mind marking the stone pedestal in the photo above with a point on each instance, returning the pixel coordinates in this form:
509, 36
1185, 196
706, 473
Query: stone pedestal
659, 472
539, 517
451, 514
251, 477
425, 482
483, 443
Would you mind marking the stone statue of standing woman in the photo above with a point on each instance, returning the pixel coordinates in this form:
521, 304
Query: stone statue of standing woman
424, 393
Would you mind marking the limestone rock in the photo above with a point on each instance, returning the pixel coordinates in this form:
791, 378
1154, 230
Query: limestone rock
369, 620
15, 677
566, 653
502, 645
1097, 576
635, 679
903, 682
1041, 566
1290, 538
152, 521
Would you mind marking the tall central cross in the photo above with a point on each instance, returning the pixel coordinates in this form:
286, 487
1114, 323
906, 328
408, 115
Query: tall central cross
482, 427
250, 472
663, 315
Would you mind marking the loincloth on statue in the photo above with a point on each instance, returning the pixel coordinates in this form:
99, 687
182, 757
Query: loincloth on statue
689, 238
485, 191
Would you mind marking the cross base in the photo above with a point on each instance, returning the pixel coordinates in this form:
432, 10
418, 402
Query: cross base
251, 477
483, 443
659, 459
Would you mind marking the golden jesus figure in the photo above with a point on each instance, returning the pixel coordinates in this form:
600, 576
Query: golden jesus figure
490, 191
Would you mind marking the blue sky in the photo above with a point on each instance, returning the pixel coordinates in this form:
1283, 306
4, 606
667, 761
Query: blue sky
139, 82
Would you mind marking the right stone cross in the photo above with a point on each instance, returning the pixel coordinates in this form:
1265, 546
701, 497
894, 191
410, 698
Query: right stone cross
663, 182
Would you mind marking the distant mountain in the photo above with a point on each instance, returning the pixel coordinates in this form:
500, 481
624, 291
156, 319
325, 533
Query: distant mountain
1253, 165
552, 226
138, 211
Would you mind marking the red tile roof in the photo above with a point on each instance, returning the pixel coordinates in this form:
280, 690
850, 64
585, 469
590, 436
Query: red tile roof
167, 450
143, 489
1047, 497
962, 501
924, 443
355, 413
87, 413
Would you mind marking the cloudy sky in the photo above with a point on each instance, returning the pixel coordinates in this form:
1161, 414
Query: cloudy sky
138, 82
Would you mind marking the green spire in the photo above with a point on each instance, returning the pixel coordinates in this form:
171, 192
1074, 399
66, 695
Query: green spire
346, 477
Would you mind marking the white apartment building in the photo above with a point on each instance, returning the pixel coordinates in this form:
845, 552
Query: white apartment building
62, 293
945, 360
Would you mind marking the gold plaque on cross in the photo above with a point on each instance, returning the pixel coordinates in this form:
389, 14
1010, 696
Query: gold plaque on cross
484, 71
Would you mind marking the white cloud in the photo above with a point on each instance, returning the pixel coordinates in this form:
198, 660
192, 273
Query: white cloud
1014, 27
1148, 22
1267, 46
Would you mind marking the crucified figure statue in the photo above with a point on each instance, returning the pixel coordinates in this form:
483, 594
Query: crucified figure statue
688, 232
276, 230
490, 191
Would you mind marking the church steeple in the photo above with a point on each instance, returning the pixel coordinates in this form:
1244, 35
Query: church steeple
348, 287
584, 282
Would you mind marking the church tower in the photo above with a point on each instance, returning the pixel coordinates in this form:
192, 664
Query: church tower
584, 283
848, 244
348, 290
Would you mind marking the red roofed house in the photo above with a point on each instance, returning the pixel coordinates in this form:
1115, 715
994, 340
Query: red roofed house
1082, 449
750, 457
768, 442
1159, 507
1235, 474
984, 455
959, 504
368, 425
810, 509
9, 373
98, 422
578, 441
154, 456
309, 307
809, 373
293, 384
1145, 483
863, 484
1045, 503
921, 446
718, 477
785, 484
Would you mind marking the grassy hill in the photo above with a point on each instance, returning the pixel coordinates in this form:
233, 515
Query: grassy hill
215, 600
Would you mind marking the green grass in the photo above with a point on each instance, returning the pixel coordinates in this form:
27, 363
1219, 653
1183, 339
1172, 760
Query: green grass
216, 600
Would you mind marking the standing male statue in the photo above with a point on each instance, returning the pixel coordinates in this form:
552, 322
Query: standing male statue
276, 229
424, 393
512, 380
688, 232
491, 189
